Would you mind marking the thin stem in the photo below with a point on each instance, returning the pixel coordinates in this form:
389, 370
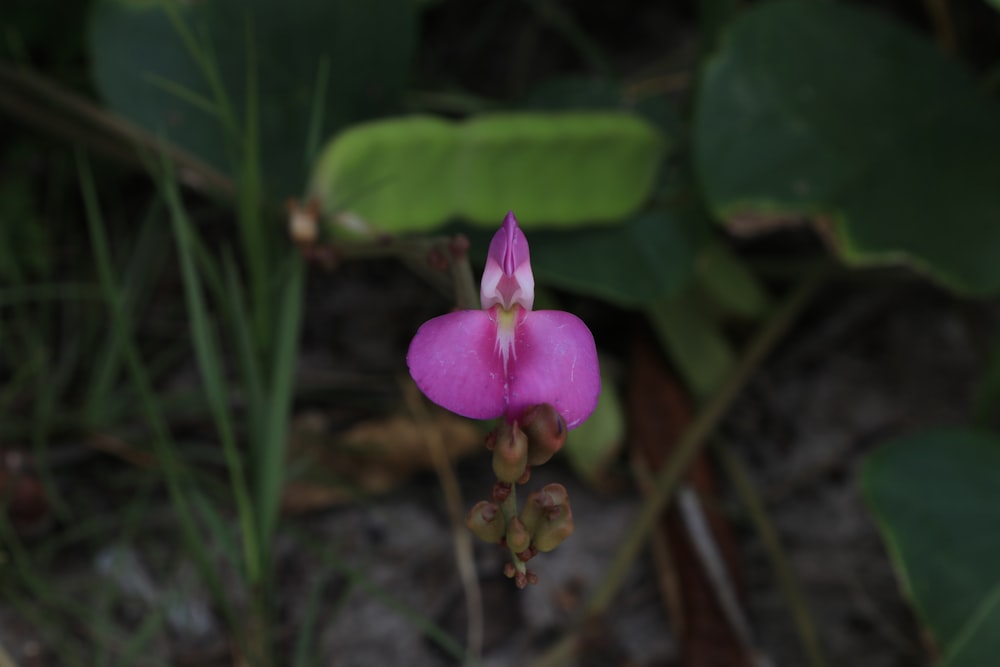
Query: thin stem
464, 556
687, 448
509, 509
693, 439
744, 487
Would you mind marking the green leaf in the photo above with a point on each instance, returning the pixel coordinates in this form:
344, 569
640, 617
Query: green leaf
649, 258
822, 108
593, 445
694, 341
150, 72
571, 93
395, 174
935, 496
731, 286
560, 169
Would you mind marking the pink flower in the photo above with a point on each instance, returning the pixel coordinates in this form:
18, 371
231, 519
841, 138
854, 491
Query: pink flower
506, 357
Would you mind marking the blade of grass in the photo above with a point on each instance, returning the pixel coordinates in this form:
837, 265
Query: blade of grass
219, 528
250, 204
209, 357
143, 270
304, 648
245, 150
270, 449
171, 467
239, 323
316, 111
138, 643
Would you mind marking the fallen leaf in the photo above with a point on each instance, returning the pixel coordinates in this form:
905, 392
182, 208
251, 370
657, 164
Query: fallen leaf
371, 457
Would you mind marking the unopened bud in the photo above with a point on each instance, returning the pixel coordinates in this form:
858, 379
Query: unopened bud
510, 454
546, 431
486, 521
553, 529
518, 537
541, 503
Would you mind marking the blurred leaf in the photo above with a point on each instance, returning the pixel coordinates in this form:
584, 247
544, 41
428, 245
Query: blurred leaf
732, 287
693, 340
575, 93
567, 169
935, 496
372, 457
24, 242
652, 256
397, 175
818, 107
594, 445
147, 73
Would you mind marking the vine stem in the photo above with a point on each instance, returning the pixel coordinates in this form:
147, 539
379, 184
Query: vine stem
686, 449
741, 482
509, 509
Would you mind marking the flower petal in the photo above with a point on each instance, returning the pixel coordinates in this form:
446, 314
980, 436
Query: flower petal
555, 362
507, 278
453, 359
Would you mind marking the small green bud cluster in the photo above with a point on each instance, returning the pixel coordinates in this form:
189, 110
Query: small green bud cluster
546, 519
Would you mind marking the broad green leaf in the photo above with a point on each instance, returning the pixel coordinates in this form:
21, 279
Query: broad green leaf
577, 93
593, 445
728, 282
694, 341
391, 171
937, 500
148, 73
817, 107
650, 257
574, 93
551, 169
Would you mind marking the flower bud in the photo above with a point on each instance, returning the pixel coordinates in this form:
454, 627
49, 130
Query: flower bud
518, 537
485, 520
554, 528
541, 503
546, 431
510, 454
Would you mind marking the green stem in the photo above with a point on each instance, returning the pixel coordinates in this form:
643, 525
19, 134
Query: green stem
744, 487
693, 439
509, 509
689, 445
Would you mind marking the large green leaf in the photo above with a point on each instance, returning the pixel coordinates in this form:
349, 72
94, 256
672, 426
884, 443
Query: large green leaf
412, 174
145, 70
937, 500
826, 108
649, 258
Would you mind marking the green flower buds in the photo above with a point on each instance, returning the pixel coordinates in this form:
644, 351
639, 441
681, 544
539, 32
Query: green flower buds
553, 528
486, 521
510, 453
518, 537
541, 503
546, 431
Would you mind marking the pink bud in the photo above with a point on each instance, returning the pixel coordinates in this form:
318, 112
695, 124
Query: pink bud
507, 279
